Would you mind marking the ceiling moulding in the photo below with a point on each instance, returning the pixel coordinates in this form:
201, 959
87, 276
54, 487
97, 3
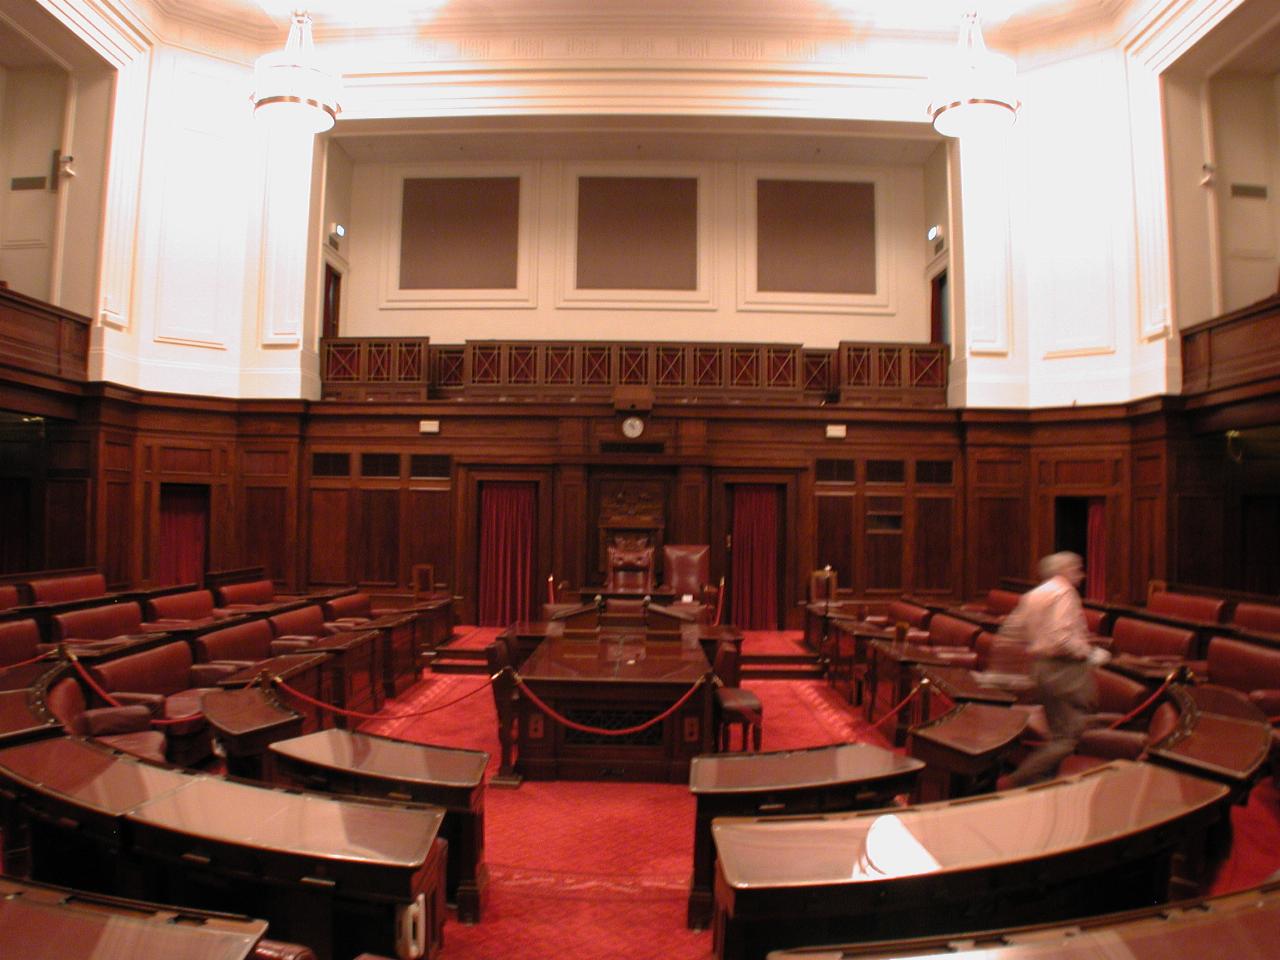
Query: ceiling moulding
243, 20
118, 36
1164, 30
1096, 23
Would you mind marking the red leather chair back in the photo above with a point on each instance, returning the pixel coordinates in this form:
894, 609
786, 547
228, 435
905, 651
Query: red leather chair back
912, 614
189, 605
18, 639
352, 605
1187, 606
255, 591
98, 623
1242, 665
303, 622
947, 631
59, 589
165, 670
1116, 693
1257, 616
1002, 601
244, 641
630, 570
65, 700
1144, 639
998, 654
10, 596
686, 567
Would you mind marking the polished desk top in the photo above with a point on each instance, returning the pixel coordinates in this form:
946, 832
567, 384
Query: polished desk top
1240, 925
241, 710
285, 665
20, 718
906, 653
974, 729
1221, 732
305, 824
91, 776
35, 926
962, 684
383, 757
620, 660
1106, 804
796, 769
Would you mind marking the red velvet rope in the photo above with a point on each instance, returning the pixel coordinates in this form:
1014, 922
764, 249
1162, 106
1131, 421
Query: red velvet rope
88, 678
915, 691
26, 663
601, 731
360, 715
720, 602
1142, 706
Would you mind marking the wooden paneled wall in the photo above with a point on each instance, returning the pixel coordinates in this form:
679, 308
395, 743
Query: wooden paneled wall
936, 503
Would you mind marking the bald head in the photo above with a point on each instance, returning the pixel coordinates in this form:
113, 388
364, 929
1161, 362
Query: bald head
1066, 564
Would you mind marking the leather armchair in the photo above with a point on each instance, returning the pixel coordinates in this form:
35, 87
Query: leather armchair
19, 641
630, 571
125, 728
686, 569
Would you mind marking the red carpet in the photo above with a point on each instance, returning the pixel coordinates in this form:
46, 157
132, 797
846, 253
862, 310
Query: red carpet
586, 871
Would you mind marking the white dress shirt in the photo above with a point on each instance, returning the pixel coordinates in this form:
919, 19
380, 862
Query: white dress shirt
1050, 620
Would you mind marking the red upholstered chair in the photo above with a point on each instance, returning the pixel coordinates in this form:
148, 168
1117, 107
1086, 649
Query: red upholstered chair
1102, 744
304, 623
734, 706
954, 638
1258, 617
1187, 606
1001, 654
98, 623
81, 586
686, 570
352, 609
629, 570
1248, 667
180, 607
1157, 641
10, 596
124, 728
167, 681
251, 594
19, 641
1117, 696
998, 603
279, 950
243, 644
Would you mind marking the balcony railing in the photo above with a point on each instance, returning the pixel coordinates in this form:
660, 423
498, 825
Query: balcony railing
42, 338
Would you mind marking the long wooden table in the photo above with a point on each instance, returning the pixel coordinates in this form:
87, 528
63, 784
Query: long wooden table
364, 765
614, 684
339, 875
845, 776
1081, 845
1240, 925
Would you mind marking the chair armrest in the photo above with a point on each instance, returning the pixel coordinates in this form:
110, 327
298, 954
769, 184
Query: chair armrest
1112, 744
109, 721
290, 645
1268, 701
154, 702
238, 664
208, 674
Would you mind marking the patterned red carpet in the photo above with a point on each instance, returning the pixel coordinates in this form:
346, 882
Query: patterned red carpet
586, 871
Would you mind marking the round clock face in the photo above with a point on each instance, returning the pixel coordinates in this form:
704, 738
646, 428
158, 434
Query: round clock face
632, 427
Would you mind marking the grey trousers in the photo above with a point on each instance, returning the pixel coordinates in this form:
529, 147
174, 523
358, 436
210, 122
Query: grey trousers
1069, 694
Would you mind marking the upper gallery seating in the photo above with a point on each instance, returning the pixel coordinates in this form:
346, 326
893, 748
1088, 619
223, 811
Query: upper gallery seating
167, 681
19, 641
126, 728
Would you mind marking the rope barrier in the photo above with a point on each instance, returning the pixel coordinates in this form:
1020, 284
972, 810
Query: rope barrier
361, 715
26, 663
915, 691
98, 689
1137, 711
601, 731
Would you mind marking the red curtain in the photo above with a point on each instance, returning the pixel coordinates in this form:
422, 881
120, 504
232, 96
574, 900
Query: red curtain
184, 532
508, 528
754, 574
1095, 564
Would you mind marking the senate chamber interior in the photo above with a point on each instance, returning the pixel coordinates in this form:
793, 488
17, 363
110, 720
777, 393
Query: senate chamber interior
546, 479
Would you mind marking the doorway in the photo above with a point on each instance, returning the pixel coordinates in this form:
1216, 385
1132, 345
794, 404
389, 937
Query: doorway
184, 533
1079, 525
755, 548
332, 302
508, 552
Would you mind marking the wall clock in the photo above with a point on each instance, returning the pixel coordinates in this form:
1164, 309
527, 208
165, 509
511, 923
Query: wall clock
632, 427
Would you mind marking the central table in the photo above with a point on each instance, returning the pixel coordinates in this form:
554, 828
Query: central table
614, 684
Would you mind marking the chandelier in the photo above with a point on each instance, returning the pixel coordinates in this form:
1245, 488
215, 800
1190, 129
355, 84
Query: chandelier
974, 90
290, 87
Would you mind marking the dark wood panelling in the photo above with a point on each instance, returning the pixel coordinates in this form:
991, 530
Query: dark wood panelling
266, 463
117, 456
378, 537
427, 533
118, 553
571, 536
1200, 525
990, 470
998, 540
264, 533
67, 525
1074, 472
883, 553
330, 512
934, 550
185, 460
834, 535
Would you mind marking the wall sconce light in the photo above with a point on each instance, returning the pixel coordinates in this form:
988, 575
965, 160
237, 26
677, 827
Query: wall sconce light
934, 233
336, 233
